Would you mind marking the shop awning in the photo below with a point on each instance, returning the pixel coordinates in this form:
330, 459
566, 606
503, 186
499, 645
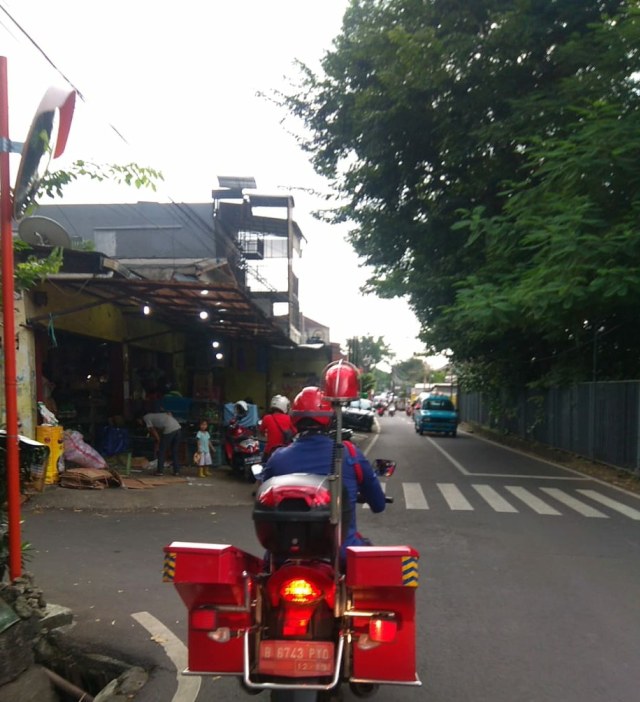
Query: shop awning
204, 297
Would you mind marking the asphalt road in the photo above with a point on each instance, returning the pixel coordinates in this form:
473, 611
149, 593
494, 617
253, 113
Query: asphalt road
529, 574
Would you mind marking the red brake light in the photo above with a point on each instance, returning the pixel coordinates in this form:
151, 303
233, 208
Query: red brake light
311, 496
300, 591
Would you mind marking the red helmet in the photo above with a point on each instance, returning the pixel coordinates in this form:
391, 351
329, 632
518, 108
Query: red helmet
310, 405
341, 381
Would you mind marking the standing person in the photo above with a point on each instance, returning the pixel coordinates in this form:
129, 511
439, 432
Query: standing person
313, 451
166, 431
205, 449
276, 426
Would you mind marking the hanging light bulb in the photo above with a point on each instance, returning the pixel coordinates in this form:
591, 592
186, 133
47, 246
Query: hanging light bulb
146, 310
204, 314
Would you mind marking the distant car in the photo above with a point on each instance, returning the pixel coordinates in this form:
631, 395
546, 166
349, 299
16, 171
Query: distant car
358, 415
436, 413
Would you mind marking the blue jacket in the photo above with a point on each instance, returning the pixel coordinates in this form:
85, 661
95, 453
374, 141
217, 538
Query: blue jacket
313, 453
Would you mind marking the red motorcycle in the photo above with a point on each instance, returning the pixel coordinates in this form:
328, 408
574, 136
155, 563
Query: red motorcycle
241, 448
302, 624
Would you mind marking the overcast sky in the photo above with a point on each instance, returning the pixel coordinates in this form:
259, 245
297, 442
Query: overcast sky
174, 86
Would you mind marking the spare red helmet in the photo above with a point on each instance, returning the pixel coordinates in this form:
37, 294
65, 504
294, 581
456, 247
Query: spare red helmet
310, 405
341, 381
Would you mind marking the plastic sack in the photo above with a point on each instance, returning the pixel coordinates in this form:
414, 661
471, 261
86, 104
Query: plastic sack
48, 417
77, 451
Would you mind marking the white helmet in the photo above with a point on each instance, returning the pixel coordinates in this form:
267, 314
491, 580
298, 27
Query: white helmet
280, 402
241, 408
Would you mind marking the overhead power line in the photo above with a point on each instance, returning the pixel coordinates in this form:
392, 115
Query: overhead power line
46, 57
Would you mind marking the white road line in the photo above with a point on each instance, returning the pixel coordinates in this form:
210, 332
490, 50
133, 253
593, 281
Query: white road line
612, 504
188, 686
473, 474
454, 498
414, 497
494, 499
571, 502
372, 443
581, 476
531, 500
449, 457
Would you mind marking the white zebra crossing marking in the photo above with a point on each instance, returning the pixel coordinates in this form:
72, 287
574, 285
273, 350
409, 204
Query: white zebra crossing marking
414, 497
581, 507
494, 499
612, 504
454, 498
531, 500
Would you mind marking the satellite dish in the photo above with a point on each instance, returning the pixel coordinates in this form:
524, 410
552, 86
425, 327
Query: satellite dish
43, 231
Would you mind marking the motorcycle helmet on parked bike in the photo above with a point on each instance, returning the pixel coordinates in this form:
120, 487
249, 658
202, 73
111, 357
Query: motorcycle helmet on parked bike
281, 403
311, 410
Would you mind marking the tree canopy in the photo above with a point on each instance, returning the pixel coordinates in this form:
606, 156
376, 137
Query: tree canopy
485, 153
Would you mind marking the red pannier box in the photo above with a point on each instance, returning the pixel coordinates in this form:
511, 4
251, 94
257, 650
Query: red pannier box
384, 579
209, 579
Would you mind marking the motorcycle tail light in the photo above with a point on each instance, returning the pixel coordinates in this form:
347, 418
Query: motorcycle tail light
300, 591
383, 629
204, 619
305, 495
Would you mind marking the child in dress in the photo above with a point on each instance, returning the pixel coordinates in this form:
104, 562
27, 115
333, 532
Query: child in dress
205, 448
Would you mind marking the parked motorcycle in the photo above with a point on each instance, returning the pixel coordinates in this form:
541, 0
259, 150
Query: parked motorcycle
241, 448
300, 623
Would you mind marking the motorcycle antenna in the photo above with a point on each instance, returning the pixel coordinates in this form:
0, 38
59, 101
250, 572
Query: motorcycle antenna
341, 383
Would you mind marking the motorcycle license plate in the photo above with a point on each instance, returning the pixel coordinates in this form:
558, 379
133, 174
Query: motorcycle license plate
296, 659
250, 460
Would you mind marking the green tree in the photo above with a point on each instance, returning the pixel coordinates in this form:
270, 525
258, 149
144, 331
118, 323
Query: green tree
484, 153
366, 352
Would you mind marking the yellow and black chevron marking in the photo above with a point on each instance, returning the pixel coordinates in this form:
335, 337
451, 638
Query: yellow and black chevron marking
410, 576
169, 570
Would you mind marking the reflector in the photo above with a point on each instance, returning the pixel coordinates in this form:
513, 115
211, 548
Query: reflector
221, 635
382, 629
203, 619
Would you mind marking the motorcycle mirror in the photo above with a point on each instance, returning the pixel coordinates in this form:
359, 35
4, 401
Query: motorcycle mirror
385, 467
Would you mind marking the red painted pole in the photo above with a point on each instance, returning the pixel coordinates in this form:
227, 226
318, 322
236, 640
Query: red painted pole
9, 348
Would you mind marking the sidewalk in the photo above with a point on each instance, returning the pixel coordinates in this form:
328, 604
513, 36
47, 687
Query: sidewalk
159, 492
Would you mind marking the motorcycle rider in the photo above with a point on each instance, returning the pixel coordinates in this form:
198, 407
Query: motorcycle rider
276, 426
240, 410
237, 434
313, 452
